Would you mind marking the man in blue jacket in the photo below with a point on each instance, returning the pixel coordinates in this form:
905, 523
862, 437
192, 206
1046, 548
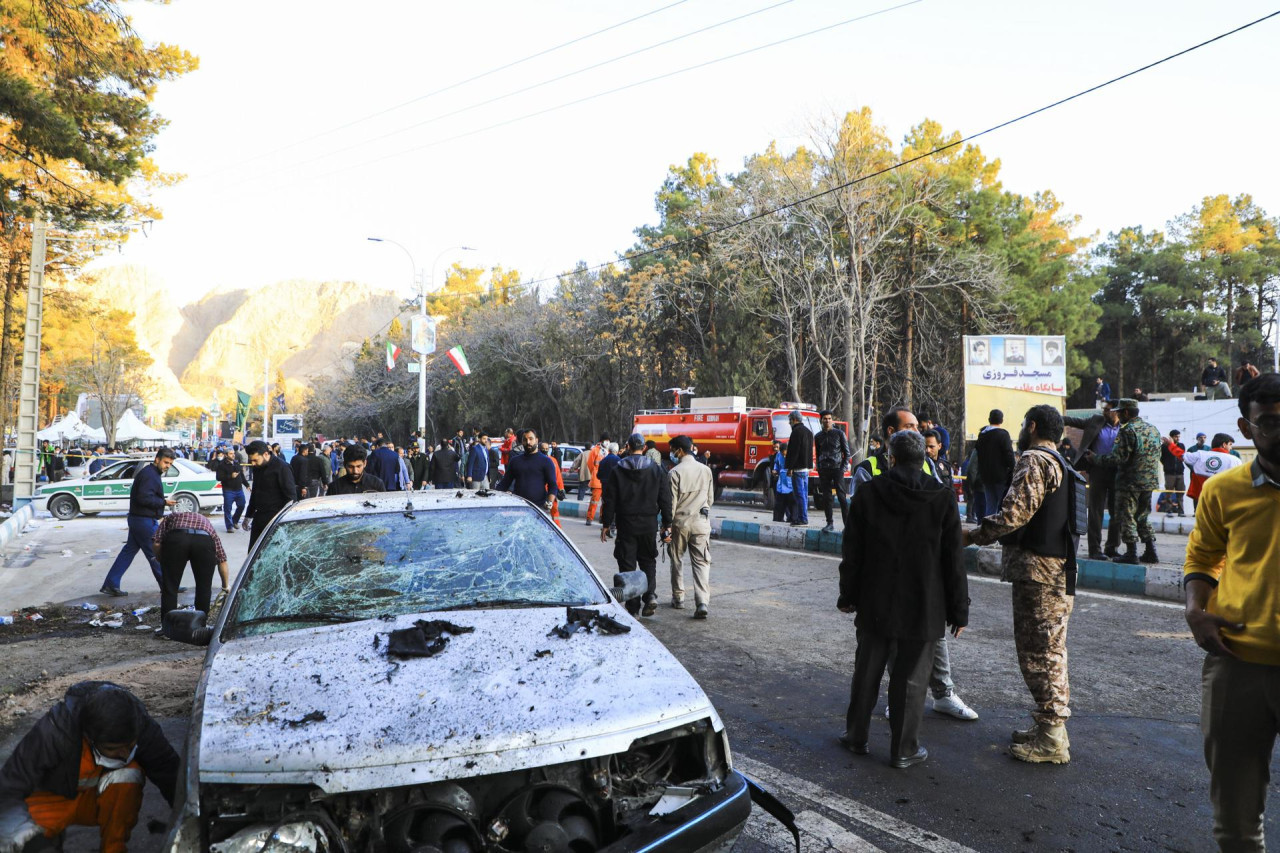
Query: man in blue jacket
531, 475
385, 465
146, 508
477, 470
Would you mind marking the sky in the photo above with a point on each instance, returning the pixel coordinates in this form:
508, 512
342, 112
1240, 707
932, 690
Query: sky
311, 126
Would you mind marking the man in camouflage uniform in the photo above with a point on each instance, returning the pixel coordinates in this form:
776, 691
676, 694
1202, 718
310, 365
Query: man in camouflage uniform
1136, 458
1041, 604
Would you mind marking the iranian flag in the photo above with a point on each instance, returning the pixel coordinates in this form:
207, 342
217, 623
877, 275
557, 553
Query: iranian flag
459, 359
393, 352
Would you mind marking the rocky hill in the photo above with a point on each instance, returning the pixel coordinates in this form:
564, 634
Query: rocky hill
223, 340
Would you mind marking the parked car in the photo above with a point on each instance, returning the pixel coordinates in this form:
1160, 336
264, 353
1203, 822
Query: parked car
81, 470
194, 487
565, 456
416, 673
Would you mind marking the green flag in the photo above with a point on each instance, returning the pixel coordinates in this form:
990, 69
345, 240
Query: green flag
242, 410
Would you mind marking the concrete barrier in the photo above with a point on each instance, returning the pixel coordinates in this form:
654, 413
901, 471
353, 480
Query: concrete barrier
12, 526
1155, 581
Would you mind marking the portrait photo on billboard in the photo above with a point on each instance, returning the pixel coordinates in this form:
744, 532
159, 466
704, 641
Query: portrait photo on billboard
1015, 350
979, 351
1052, 356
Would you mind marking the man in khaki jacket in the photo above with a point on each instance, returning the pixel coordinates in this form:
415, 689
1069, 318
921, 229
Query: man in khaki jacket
692, 493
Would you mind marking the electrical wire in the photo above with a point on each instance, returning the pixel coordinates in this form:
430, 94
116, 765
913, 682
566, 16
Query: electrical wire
720, 229
442, 90
525, 89
586, 98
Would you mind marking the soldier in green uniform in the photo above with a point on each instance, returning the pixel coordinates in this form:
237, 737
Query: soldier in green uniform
1136, 458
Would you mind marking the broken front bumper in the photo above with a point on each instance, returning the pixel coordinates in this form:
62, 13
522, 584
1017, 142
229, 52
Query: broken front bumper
710, 823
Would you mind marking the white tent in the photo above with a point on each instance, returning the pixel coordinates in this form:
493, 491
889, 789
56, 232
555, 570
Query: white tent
129, 428
70, 428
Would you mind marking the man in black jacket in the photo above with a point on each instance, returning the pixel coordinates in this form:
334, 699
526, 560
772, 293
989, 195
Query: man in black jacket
356, 481
273, 488
1099, 437
799, 461
530, 473
231, 475
444, 467
903, 574
995, 460
85, 763
1214, 380
833, 454
634, 496
146, 508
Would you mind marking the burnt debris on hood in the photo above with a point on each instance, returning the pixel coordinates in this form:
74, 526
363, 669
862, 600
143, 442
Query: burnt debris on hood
424, 639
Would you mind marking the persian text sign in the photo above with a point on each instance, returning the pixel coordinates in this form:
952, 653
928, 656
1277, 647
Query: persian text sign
1035, 363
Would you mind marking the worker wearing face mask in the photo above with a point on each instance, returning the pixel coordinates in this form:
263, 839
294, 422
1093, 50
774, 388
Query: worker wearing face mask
84, 764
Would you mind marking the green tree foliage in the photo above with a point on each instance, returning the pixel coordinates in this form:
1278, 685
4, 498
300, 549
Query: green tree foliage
1209, 286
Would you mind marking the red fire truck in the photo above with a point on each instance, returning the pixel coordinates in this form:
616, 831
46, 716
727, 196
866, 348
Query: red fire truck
740, 437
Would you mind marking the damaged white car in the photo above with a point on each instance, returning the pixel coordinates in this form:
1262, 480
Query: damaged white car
444, 675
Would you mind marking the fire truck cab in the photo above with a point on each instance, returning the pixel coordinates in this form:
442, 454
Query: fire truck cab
740, 437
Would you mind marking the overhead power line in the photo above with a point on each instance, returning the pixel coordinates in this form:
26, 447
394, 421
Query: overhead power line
720, 229
595, 96
529, 88
418, 98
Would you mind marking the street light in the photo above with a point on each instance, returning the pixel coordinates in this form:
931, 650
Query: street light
422, 308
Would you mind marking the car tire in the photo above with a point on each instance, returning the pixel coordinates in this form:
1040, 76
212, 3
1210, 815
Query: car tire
186, 503
63, 507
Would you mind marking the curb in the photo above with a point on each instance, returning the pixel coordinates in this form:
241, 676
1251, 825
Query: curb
1153, 581
13, 526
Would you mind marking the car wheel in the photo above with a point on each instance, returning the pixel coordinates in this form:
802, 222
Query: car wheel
63, 507
186, 503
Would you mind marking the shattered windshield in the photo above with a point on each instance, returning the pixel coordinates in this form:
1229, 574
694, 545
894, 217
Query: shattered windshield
347, 568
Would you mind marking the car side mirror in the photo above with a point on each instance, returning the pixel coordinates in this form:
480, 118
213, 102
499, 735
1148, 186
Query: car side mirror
628, 586
187, 626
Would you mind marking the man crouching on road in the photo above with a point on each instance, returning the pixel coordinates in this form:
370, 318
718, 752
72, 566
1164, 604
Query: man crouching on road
635, 494
1032, 523
83, 764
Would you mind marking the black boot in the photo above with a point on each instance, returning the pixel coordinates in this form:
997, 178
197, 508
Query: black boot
1111, 551
1149, 554
1130, 554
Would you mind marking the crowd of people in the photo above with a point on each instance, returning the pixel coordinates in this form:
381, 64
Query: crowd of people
901, 574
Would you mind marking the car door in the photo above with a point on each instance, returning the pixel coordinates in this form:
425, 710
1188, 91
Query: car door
109, 488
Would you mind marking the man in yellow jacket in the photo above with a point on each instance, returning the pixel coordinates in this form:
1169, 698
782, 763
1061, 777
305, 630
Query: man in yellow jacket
1233, 586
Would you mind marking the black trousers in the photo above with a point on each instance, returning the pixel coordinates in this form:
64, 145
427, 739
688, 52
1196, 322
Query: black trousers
829, 479
180, 548
1102, 497
908, 683
262, 519
637, 548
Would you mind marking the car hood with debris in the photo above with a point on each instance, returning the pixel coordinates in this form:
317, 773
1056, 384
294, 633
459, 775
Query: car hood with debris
327, 706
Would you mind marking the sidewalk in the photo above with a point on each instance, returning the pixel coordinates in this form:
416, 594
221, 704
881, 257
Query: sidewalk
755, 525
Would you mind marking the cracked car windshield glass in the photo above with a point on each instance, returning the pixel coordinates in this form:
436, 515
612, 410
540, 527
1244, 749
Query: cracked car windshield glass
347, 568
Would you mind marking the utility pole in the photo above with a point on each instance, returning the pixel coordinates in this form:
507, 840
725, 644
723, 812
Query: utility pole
266, 396
27, 464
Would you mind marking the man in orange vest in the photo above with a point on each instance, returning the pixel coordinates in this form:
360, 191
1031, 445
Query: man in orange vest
84, 763
594, 455
555, 501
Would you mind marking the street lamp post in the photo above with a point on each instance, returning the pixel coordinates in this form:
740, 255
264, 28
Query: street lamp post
420, 281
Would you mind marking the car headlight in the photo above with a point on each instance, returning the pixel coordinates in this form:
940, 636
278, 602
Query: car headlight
300, 836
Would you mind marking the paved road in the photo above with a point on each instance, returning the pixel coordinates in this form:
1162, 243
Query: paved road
776, 658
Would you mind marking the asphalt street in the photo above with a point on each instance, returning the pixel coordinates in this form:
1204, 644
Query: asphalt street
776, 657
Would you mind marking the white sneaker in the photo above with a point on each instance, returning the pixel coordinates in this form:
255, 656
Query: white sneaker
953, 706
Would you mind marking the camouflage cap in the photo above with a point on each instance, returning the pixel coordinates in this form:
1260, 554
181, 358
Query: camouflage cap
1125, 403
